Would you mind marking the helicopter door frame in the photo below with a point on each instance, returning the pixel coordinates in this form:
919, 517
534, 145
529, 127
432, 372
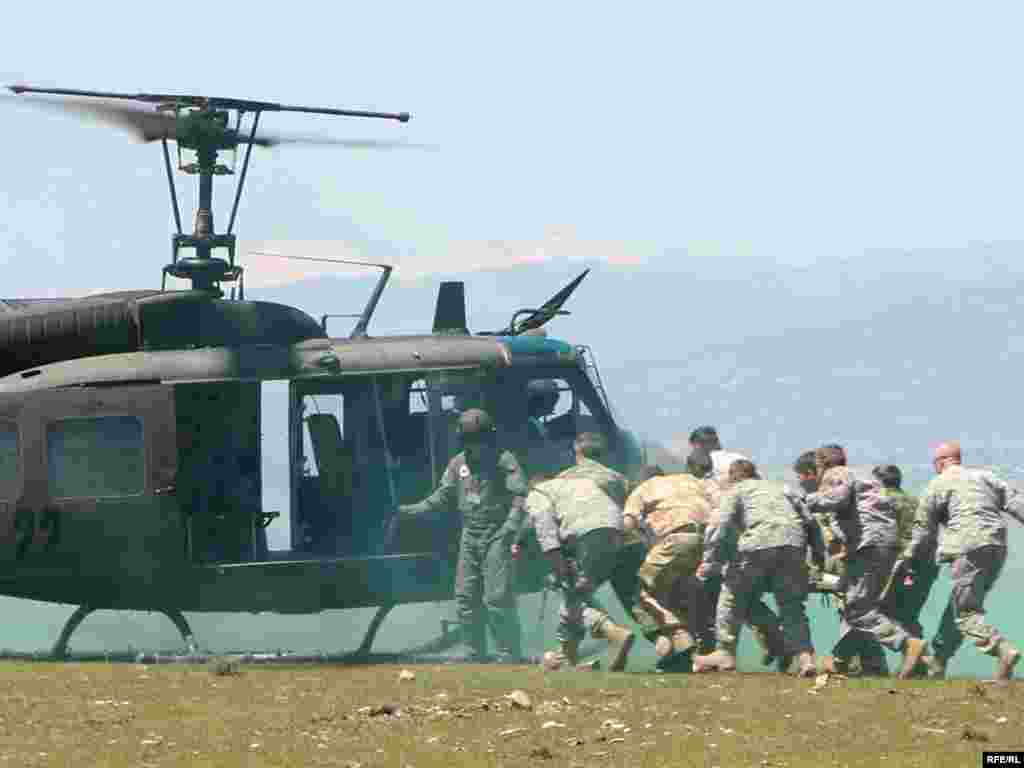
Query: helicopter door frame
108, 523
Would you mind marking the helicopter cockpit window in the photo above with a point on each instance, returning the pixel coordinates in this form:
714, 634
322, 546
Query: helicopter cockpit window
435, 403
10, 465
99, 457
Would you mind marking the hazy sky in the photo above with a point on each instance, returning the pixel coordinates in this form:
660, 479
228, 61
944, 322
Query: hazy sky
782, 132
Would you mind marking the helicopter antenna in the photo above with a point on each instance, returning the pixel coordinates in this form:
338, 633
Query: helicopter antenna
359, 331
201, 124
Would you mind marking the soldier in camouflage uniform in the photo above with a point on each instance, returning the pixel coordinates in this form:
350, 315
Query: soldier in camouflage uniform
969, 504
827, 579
905, 601
767, 633
671, 510
577, 516
625, 579
770, 529
487, 487
863, 521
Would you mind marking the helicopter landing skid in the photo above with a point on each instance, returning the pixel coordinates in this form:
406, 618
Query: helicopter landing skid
363, 651
60, 648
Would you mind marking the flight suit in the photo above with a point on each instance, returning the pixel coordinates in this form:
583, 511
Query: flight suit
490, 500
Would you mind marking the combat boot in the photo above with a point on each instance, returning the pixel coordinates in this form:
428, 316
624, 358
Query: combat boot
808, 666
566, 656
1008, 658
913, 649
620, 642
721, 660
935, 667
876, 666
836, 665
673, 651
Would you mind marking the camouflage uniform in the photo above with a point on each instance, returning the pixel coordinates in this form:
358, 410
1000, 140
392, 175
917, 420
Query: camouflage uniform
770, 528
491, 503
969, 503
572, 513
863, 520
672, 510
623, 579
905, 602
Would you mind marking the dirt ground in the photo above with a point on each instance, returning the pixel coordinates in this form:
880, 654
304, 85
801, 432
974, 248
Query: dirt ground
107, 715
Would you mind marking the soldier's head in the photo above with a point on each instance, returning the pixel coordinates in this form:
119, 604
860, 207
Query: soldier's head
541, 397
590, 445
888, 475
828, 456
742, 469
946, 454
698, 463
807, 471
705, 437
479, 436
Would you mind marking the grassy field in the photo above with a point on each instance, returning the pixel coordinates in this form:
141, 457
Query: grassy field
123, 715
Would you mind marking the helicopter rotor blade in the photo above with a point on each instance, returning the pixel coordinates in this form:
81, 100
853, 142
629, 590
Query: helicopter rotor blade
147, 125
273, 139
548, 310
214, 102
143, 123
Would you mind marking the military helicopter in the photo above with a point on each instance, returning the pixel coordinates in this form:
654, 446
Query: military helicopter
135, 431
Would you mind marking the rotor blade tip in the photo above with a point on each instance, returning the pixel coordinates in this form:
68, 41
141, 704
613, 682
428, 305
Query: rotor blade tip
16, 88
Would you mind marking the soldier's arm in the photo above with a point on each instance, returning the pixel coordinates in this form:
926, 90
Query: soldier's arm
929, 515
720, 535
633, 512
1010, 499
815, 541
542, 513
835, 497
517, 487
441, 500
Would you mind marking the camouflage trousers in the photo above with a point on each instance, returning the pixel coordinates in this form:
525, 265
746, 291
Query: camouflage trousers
867, 571
593, 558
905, 603
779, 570
706, 631
764, 624
484, 593
974, 574
625, 579
669, 596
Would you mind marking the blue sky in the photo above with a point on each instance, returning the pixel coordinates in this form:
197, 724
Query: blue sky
784, 133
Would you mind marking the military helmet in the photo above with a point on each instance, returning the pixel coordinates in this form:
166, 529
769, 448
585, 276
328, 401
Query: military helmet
475, 424
542, 395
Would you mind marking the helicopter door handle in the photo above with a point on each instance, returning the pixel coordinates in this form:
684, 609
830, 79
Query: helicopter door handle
167, 490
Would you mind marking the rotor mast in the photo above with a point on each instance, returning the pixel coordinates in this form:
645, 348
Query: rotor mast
202, 124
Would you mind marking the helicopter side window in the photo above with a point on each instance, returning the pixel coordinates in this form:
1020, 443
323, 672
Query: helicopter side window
327, 474
10, 462
99, 457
